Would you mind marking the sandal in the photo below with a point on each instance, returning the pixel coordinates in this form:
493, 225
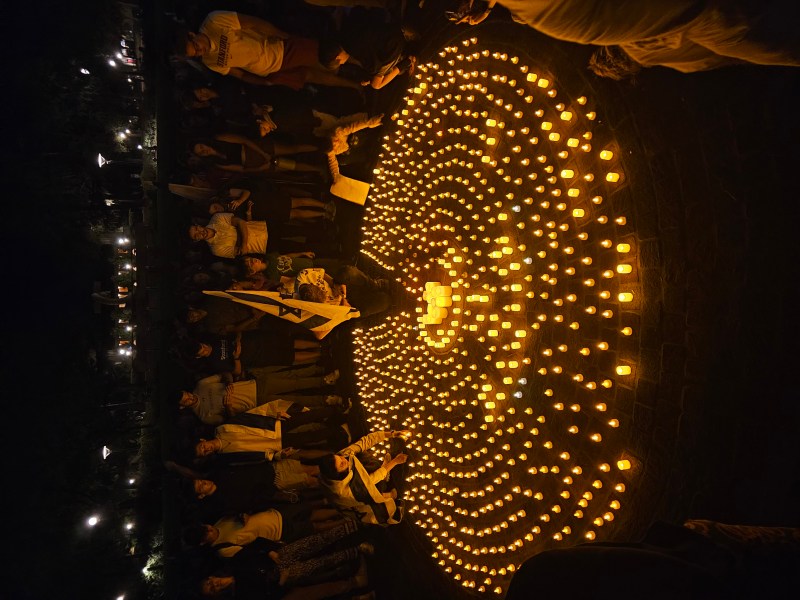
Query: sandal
331, 377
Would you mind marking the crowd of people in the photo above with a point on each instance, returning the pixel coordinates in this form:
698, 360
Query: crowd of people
272, 113
277, 495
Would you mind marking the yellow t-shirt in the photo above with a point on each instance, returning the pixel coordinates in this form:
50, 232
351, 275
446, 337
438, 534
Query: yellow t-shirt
232, 46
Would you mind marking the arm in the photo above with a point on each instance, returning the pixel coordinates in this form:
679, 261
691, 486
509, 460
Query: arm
245, 324
210, 379
216, 207
241, 196
333, 166
371, 122
237, 369
327, 78
241, 228
368, 441
248, 78
299, 254
240, 139
260, 26
474, 19
184, 472
380, 81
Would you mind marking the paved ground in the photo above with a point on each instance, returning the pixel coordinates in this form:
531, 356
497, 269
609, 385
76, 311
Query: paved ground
712, 197
711, 187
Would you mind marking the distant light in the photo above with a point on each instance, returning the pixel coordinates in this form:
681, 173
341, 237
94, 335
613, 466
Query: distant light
131, 481
138, 146
112, 63
128, 131
85, 71
127, 266
129, 328
130, 80
101, 160
109, 202
106, 452
121, 241
119, 55
121, 597
128, 526
121, 135
93, 520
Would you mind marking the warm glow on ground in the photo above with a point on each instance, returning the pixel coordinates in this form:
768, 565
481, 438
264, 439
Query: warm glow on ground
491, 207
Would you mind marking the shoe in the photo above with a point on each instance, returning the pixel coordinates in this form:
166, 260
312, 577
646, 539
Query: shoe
346, 428
332, 400
360, 579
330, 210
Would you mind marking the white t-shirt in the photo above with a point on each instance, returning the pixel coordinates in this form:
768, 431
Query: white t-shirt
267, 524
211, 392
232, 46
315, 276
223, 244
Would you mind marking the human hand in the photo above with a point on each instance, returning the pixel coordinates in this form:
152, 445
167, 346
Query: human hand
375, 121
402, 433
400, 459
282, 415
265, 127
266, 124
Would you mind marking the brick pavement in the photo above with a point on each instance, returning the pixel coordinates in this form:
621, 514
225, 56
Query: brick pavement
713, 409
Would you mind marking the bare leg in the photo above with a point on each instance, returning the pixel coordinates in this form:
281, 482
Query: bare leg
283, 149
306, 356
327, 78
307, 203
297, 214
327, 525
324, 514
306, 345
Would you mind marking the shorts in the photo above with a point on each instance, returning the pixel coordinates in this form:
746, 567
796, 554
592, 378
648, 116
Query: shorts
290, 476
295, 523
299, 54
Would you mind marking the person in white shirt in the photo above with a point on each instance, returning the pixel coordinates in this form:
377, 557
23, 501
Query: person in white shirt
257, 52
